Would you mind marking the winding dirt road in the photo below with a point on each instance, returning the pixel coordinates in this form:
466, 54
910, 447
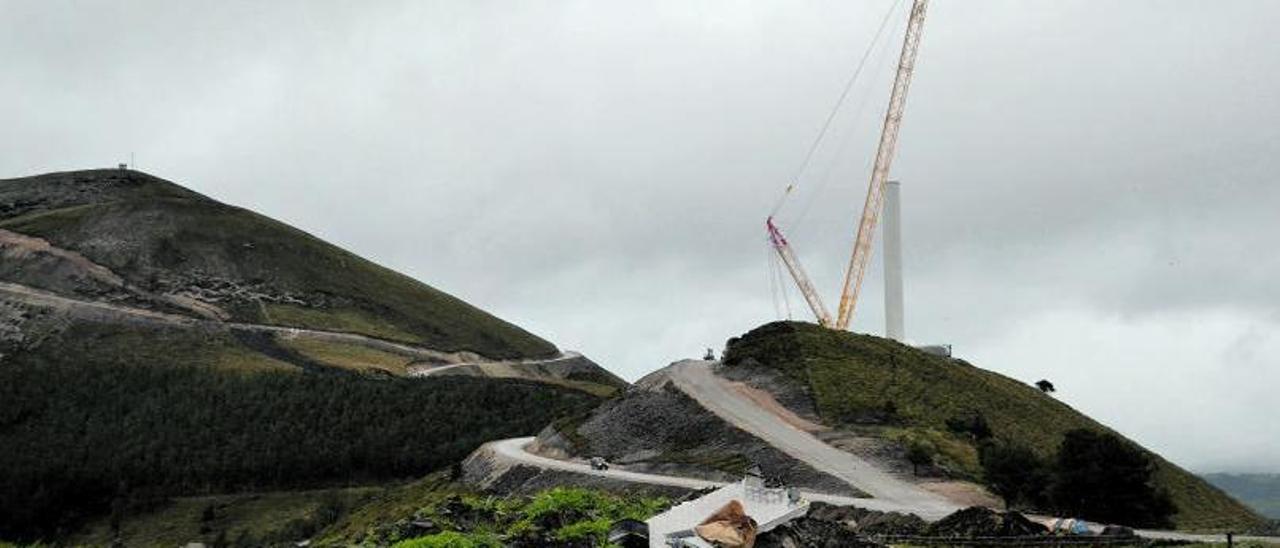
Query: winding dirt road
104, 311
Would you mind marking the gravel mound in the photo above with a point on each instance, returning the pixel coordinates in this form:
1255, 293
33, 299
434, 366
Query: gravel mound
977, 521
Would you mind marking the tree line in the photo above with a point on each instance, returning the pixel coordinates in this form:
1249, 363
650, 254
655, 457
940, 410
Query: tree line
78, 440
1093, 474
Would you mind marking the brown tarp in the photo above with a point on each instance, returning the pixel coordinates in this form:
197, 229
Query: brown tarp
730, 526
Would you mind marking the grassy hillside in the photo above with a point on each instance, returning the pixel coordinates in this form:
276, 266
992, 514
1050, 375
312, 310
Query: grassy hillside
104, 414
1259, 491
852, 377
168, 240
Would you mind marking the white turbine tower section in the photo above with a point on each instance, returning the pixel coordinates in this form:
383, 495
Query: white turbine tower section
893, 320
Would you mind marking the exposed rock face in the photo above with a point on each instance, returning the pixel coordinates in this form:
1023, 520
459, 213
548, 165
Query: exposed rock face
656, 428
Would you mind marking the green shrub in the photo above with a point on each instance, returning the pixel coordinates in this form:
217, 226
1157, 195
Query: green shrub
451, 539
1104, 478
1015, 473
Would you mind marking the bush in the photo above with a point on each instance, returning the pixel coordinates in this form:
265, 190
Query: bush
1015, 473
1101, 477
919, 453
975, 426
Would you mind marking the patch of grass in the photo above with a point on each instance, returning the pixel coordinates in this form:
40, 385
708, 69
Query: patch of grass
956, 456
853, 376
258, 517
451, 539
348, 356
236, 358
88, 342
346, 320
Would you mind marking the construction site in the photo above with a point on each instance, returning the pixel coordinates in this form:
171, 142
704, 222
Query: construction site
180, 370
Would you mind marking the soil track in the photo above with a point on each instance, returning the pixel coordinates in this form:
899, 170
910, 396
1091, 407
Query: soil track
111, 312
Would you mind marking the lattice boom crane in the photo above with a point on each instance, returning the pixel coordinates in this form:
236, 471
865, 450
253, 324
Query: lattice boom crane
875, 191
797, 273
884, 158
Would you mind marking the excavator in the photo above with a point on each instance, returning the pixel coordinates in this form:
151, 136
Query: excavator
875, 192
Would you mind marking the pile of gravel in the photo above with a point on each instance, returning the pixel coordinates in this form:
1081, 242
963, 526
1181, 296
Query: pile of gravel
977, 521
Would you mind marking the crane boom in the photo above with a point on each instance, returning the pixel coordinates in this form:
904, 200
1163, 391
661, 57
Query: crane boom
884, 158
797, 272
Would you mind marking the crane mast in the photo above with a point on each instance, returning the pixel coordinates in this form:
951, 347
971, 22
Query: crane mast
884, 159
797, 273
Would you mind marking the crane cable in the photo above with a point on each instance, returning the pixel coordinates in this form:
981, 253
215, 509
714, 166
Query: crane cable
826, 125
776, 284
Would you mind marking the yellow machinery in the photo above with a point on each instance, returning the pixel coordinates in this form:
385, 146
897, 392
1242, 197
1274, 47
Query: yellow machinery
875, 191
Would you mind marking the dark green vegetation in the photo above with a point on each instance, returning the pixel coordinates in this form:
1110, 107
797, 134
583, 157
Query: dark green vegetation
424, 512
166, 239
1101, 476
1260, 491
242, 519
566, 517
99, 419
1095, 475
860, 380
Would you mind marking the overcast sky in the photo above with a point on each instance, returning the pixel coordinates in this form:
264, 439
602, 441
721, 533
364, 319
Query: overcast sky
1089, 188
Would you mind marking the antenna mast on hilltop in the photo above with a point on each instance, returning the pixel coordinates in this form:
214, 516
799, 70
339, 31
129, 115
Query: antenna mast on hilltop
875, 191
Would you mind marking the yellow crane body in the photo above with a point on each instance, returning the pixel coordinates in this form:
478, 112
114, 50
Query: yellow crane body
880, 172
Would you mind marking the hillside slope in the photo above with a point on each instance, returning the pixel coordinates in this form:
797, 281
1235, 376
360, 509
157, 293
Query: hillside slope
131, 237
157, 343
851, 379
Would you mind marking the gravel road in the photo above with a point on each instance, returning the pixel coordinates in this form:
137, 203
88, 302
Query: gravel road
695, 378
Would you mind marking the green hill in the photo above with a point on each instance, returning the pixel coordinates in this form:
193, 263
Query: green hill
142, 358
169, 241
852, 376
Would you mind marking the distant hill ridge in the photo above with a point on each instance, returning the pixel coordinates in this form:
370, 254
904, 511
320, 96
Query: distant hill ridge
1259, 491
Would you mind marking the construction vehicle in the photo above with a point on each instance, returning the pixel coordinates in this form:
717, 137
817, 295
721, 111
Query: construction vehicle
875, 192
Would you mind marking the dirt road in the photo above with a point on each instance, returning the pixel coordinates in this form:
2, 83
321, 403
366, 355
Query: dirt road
108, 312
513, 451
696, 379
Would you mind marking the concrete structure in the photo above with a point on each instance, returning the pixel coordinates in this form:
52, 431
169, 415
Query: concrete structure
893, 320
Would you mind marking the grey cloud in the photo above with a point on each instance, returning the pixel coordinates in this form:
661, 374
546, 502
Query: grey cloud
599, 172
